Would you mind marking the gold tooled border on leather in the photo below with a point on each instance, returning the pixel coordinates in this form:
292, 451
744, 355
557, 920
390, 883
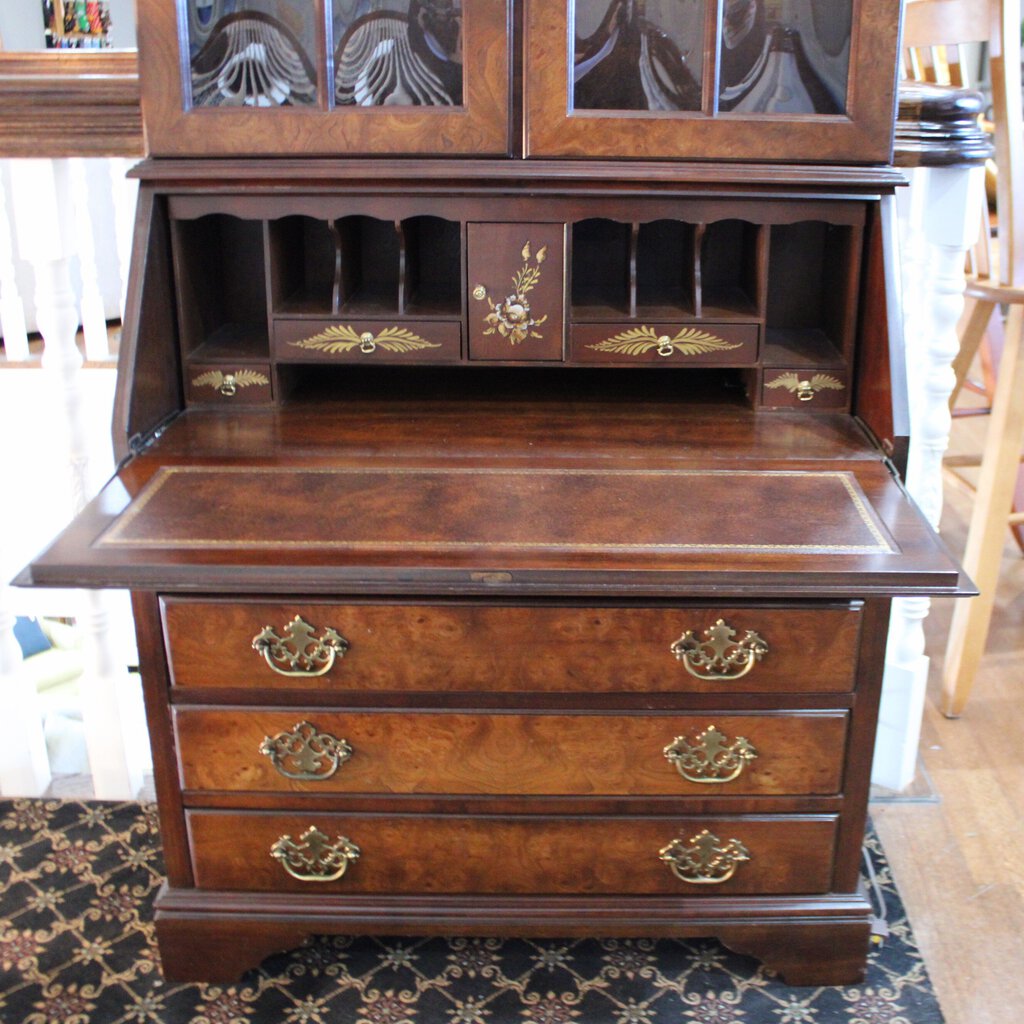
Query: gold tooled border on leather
115, 533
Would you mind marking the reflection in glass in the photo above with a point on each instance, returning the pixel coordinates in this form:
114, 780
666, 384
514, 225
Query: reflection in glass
398, 53
254, 53
785, 56
638, 54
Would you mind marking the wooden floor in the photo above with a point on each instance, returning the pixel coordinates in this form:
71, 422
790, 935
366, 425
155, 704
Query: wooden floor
958, 858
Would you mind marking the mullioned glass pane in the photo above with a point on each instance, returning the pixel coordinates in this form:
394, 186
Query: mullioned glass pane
398, 52
785, 56
638, 54
252, 53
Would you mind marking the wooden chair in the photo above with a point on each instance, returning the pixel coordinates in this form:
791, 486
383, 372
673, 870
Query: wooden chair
934, 32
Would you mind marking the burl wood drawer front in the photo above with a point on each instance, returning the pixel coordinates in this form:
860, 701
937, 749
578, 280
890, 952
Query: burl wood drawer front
265, 852
341, 340
537, 754
229, 384
512, 648
639, 344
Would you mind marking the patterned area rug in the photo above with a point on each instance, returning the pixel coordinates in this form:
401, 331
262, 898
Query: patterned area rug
77, 882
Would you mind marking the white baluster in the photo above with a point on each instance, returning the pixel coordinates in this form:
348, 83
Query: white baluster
93, 315
126, 191
12, 309
24, 766
43, 190
937, 216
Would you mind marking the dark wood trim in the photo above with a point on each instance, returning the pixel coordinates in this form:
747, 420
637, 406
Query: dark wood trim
616, 176
70, 104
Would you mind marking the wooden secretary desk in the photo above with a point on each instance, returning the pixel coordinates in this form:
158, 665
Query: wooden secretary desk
512, 415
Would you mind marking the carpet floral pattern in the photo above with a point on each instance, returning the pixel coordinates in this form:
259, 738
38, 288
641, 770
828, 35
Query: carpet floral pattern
77, 882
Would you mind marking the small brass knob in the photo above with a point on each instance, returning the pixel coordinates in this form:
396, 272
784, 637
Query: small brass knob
228, 386
367, 343
479, 293
665, 346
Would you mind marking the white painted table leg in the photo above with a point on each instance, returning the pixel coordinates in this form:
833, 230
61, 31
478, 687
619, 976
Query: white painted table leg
938, 216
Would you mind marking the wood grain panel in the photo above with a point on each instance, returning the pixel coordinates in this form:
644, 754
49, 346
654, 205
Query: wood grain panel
528, 854
464, 647
537, 754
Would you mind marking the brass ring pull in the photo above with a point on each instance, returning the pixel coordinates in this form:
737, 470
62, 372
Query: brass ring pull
702, 860
299, 653
228, 386
306, 754
710, 758
314, 858
720, 655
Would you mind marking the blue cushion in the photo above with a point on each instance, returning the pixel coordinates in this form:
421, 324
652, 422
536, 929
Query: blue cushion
30, 636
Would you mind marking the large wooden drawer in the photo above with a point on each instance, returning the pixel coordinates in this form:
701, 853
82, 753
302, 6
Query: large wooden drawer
466, 647
511, 854
263, 750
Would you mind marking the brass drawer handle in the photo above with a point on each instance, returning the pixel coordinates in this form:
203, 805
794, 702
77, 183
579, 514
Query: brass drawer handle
306, 754
710, 758
314, 858
702, 861
299, 653
720, 655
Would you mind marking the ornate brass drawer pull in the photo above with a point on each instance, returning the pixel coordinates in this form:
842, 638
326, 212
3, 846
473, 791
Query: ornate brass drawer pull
720, 655
702, 861
306, 754
299, 652
314, 858
710, 758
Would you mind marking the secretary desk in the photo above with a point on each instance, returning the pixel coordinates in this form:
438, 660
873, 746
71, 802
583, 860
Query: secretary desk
512, 411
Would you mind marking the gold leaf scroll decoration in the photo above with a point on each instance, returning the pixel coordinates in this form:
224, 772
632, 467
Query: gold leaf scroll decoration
690, 341
343, 338
819, 382
241, 378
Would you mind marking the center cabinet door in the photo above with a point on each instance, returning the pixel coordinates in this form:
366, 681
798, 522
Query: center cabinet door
325, 77
763, 80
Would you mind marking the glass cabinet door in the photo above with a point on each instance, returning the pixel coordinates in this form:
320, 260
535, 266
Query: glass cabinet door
809, 80
325, 77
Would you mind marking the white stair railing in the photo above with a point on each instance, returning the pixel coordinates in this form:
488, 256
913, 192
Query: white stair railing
52, 226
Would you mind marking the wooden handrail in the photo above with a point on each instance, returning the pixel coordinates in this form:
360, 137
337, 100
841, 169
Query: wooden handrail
70, 103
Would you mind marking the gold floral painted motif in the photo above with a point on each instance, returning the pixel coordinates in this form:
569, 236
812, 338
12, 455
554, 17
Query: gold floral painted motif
806, 389
512, 318
638, 341
229, 383
344, 338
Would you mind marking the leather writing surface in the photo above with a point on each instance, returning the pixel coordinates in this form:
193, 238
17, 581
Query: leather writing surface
455, 508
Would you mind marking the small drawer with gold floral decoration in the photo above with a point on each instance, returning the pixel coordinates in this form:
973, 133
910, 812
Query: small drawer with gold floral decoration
805, 388
456, 853
340, 340
228, 384
641, 344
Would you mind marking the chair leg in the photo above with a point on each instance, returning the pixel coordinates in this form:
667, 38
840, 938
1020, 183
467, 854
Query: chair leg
987, 532
970, 339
